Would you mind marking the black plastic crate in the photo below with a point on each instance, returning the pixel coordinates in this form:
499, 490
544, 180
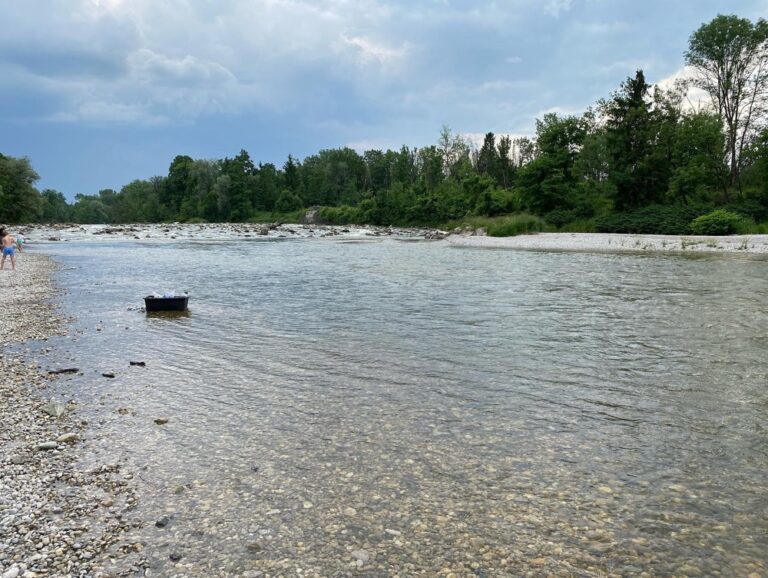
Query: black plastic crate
166, 303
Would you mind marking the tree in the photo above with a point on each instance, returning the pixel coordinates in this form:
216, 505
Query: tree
548, 182
488, 162
53, 207
19, 199
730, 55
455, 153
177, 185
698, 158
630, 144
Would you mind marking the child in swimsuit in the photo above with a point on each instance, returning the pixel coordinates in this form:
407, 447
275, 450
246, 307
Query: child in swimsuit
9, 250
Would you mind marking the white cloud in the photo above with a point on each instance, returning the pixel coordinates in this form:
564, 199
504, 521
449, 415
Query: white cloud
370, 50
696, 99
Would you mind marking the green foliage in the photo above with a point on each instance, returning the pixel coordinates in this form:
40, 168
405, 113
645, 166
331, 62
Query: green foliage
653, 219
718, 222
729, 55
560, 217
504, 226
516, 225
278, 217
19, 200
343, 215
53, 207
580, 226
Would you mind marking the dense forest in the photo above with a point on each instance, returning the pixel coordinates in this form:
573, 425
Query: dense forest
642, 160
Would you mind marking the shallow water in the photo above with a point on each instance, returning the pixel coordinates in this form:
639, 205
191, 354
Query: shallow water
384, 407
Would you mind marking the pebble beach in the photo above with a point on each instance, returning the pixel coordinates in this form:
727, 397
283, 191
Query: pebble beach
619, 243
55, 519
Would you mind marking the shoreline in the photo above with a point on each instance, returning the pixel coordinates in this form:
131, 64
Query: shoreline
620, 243
568, 242
55, 518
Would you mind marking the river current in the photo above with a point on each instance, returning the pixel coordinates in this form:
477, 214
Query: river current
389, 407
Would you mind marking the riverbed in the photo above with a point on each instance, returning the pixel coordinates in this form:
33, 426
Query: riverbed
379, 406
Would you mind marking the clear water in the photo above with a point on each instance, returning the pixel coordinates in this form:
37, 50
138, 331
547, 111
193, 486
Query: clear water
486, 412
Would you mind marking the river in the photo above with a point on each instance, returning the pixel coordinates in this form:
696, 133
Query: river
380, 407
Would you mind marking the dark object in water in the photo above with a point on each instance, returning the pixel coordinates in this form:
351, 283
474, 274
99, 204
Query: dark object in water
139, 363
166, 303
65, 370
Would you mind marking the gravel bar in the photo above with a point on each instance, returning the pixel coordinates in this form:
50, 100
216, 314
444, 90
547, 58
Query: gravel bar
616, 243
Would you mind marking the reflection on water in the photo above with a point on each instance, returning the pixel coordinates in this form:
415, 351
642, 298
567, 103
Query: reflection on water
386, 407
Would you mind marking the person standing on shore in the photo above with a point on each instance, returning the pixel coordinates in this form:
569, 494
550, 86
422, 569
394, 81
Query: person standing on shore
8, 244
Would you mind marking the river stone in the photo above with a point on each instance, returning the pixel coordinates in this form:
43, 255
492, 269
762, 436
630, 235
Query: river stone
361, 555
68, 438
54, 408
47, 446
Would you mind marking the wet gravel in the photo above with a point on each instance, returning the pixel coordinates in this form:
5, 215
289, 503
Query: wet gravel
55, 519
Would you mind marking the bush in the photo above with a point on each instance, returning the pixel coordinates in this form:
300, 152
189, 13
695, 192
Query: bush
560, 217
718, 222
653, 219
515, 225
748, 208
579, 226
343, 215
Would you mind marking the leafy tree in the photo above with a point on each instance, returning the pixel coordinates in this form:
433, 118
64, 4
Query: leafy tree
454, 151
178, 184
53, 207
698, 158
730, 55
549, 181
89, 209
19, 199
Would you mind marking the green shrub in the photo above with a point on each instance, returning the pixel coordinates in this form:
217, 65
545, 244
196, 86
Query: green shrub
579, 226
343, 215
749, 208
278, 217
515, 225
560, 217
718, 222
653, 219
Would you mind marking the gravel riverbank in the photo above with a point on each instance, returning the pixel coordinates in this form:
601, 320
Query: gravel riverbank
615, 243
55, 519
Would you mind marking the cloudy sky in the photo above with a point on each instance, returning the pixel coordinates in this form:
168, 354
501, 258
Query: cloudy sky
100, 92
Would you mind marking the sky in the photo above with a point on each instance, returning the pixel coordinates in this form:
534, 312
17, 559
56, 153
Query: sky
98, 93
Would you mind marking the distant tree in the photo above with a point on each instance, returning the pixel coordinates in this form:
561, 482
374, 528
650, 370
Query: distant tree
19, 199
698, 159
549, 182
89, 209
629, 130
488, 161
730, 55
291, 172
53, 207
505, 162
455, 152
178, 183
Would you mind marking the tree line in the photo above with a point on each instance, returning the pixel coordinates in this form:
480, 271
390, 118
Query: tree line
643, 159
